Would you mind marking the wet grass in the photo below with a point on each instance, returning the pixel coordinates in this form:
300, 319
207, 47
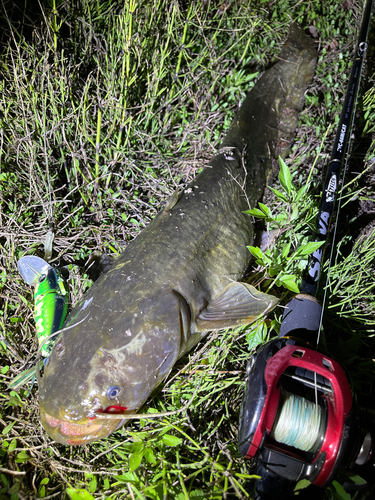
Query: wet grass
105, 109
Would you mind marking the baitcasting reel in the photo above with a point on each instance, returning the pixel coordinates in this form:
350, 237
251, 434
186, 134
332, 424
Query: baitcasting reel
298, 418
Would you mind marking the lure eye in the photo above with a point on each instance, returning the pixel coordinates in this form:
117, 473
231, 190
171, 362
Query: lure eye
42, 277
113, 392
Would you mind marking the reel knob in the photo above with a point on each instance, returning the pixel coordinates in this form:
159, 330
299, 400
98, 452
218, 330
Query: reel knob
366, 450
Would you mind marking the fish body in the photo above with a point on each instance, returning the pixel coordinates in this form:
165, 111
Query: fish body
178, 279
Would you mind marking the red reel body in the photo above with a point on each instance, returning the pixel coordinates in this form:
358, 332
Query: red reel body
286, 364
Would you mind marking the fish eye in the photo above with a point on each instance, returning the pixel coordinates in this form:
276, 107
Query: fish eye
113, 392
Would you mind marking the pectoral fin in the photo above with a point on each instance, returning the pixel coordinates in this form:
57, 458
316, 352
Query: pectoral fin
237, 304
98, 264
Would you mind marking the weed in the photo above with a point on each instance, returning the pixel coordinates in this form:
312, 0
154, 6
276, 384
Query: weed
105, 109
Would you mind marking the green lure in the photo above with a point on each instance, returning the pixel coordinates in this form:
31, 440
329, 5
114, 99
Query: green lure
51, 306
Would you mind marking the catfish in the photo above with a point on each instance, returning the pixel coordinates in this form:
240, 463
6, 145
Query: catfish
179, 279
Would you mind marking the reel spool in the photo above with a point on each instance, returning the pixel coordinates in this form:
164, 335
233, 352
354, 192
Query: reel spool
297, 416
299, 423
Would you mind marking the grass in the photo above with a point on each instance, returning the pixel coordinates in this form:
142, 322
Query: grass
105, 109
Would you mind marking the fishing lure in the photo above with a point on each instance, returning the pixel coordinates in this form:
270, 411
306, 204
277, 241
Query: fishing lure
51, 306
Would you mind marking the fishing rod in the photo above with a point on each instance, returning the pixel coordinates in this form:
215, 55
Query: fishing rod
298, 418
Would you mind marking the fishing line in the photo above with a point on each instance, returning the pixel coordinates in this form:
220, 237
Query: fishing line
39, 354
115, 416
298, 422
50, 236
49, 211
137, 416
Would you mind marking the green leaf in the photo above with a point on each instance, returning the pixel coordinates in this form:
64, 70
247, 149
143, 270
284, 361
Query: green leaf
13, 445
295, 213
197, 494
285, 251
24, 300
15, 400
278, 194
125, 478
15, 488
280, 218
289, 282
135, 461
150, 456
309, 248
357, 479
16, 320
301, 192
301, 485
285, 177
267, 258
15, 395
93, 485
340, 493
256, 336
22, 457
274, 270
256, 213
170, 440
257, 253
265, 209
136, 447
79, 494
8, 428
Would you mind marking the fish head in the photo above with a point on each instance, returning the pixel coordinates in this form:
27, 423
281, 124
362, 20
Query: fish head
73, 398
98, 371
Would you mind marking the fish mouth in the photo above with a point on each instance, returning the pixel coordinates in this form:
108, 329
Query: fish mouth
70, 433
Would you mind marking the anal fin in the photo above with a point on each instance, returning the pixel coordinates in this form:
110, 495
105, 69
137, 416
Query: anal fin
171, 202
